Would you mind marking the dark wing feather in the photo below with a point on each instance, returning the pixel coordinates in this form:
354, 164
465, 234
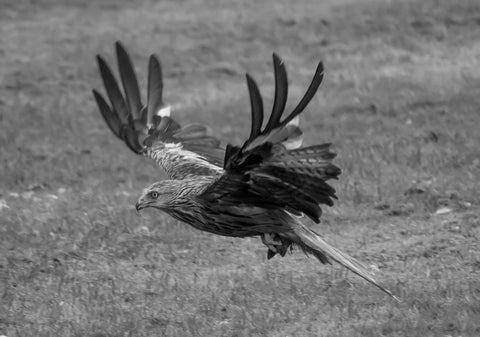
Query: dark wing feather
281, 93
155, 87
257, 107
264, 173
149, 130
113, 91
312, 89
111, 118
129, 80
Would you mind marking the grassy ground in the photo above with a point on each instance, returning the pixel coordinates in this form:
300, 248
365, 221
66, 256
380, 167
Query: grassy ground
400, 101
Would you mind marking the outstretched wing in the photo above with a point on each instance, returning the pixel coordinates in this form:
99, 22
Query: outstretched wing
182, 151
269, 170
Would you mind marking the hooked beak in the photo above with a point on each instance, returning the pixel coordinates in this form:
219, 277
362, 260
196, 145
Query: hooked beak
140, 204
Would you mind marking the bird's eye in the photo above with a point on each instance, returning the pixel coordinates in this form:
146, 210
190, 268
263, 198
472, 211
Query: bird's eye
154, 195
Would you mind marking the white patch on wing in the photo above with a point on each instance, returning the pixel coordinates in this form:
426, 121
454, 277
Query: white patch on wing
198, 158
294, 143
165, 111
186, 155
301, 216
171, 145
294, 121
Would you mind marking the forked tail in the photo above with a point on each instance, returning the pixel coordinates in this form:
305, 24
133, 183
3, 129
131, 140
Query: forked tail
312, 243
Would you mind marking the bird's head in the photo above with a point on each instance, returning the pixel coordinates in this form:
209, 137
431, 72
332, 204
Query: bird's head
159, 195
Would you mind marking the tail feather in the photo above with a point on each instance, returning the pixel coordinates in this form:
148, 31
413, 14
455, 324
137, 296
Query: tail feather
314, 244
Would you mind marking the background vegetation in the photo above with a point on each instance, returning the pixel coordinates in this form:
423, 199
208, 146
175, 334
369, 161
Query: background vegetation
400, 101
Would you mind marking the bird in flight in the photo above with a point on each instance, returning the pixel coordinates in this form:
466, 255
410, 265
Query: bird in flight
265, 187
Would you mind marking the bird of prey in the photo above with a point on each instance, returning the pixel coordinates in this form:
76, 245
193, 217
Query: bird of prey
265, 187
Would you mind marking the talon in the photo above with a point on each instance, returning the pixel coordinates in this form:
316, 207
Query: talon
270, 254
272, 248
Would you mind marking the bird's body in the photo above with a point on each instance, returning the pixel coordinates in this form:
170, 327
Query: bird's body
240, 220
267, 187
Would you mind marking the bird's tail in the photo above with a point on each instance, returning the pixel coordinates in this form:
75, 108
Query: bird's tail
312, 243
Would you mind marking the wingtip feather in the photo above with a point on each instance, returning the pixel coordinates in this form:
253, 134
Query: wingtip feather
155, 87
309, 94
113, 91
129, 80
108, 115
281, 93
256, 103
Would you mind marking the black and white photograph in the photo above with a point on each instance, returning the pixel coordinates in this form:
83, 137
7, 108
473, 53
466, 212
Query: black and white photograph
239, 168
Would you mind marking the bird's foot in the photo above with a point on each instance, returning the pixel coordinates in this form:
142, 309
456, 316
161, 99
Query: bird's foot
272, 241
276, 245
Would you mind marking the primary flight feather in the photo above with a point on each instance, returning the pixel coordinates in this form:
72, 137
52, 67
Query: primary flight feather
261, 188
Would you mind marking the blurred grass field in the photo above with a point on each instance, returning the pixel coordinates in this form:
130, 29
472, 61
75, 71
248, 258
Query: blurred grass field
400, 102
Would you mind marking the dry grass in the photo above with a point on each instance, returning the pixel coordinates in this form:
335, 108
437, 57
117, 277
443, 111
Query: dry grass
400, 102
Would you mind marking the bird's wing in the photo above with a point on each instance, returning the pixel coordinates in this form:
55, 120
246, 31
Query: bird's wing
182, 151
270, 170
